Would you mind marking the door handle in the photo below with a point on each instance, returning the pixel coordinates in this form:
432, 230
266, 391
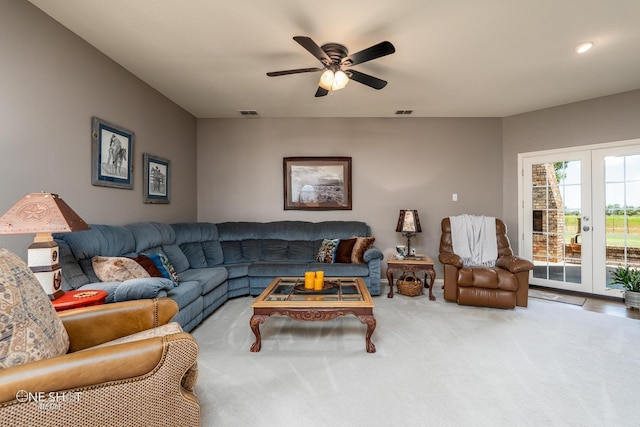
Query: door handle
586, 228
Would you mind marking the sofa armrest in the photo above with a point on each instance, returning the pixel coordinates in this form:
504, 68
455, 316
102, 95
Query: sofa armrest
449, 258
372, 253
90, 326
514, 264
98, 367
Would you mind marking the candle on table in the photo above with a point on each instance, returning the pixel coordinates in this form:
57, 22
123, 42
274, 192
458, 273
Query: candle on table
309, 277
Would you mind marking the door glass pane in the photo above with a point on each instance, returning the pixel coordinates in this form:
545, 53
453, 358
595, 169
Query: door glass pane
622, 211
557, 221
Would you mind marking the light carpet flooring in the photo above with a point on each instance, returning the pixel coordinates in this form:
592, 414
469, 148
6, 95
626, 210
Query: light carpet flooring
437, 364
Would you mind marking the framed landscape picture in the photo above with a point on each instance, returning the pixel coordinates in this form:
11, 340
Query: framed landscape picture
317, 183
157, 175
111, 154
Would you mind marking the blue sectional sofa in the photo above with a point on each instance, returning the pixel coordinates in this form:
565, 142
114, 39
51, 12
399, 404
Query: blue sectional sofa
213, 262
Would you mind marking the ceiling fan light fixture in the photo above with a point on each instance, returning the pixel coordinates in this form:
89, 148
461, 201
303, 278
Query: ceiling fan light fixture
340, 80
326, 80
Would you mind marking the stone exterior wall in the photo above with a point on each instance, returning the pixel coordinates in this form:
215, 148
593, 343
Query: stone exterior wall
548, 211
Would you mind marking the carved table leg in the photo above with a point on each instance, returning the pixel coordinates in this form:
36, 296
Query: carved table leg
390, 280
432, 278
370, 321
255, 322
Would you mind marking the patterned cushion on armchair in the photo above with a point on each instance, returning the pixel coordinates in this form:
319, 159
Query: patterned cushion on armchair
31, 329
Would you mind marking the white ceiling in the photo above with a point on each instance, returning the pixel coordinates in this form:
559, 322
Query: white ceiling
454, 58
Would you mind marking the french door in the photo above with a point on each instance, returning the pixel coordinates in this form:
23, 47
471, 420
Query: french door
580, 215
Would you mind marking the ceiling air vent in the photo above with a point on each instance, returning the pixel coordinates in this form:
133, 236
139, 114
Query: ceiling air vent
403, 112
248, 112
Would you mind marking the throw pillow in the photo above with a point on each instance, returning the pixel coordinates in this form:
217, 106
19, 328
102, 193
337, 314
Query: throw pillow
345, 248
164, 265
361, 246
327, 251
30, 330
149, 266
117, 269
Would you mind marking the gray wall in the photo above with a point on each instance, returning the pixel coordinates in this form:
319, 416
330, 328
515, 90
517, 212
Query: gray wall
600, 120
51, 84
397, 164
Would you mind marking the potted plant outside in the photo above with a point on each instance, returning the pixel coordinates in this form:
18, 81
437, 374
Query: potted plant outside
630, 280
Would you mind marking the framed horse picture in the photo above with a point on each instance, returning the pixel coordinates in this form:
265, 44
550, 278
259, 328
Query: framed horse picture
156, 178
111, 155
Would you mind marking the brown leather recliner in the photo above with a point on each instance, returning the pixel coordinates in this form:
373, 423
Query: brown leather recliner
504, 286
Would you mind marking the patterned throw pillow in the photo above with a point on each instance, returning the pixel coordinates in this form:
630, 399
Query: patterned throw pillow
345, 248
327, 251
30, 330
117, 269
361, 246
164, 265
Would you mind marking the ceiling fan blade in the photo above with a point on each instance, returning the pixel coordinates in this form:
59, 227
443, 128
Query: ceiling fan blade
297, 71
321, 92
366, 79
313, 48
373, 52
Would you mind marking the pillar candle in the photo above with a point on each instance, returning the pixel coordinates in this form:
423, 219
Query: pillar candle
309, 277
320, 274
319, 283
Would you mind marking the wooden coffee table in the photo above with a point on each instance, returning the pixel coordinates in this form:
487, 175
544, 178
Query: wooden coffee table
286, 296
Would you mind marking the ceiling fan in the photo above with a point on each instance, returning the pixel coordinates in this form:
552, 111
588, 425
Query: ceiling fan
335, 59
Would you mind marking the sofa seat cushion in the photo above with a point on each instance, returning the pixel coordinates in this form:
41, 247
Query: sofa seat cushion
340, 270
278, 269
31, 330
186, 293
209, 278
487, 278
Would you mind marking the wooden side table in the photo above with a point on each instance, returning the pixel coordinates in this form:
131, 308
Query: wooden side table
76, 299
425, 264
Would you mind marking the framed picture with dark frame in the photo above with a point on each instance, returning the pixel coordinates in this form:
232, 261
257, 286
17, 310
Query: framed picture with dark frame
111, 155
317, 183
157, 175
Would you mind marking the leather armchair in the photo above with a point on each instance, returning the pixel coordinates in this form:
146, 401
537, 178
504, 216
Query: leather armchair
504, 286
144, 382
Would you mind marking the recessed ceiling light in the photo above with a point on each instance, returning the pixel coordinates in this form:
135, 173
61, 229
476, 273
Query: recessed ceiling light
584, 47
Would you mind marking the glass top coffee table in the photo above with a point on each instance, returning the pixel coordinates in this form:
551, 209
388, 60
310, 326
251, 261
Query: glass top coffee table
287, 296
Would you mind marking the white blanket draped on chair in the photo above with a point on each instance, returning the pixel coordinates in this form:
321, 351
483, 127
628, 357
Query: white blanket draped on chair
474, 239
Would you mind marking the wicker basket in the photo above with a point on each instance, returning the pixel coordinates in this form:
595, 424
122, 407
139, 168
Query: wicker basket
410, 285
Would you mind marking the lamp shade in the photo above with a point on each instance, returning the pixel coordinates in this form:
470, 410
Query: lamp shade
408, 222
41, 213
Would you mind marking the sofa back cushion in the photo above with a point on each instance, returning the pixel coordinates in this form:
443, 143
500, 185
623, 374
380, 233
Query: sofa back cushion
275, 249
199, 242
99, 240
149, 235
31, 330
282, 240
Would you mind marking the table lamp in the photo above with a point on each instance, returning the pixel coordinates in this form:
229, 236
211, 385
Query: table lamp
43, 214
408, 225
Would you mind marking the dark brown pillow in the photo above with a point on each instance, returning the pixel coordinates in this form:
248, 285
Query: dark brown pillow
148, 264
345, 248
361, 246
